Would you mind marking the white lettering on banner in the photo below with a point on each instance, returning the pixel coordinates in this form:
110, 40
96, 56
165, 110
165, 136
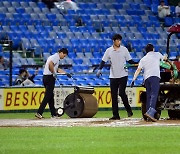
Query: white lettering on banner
60, 94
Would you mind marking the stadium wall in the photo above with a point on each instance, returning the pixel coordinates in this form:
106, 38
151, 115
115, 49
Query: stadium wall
21, 98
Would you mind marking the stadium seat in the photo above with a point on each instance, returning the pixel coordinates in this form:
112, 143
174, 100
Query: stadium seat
168, 21
77, 61
30, 61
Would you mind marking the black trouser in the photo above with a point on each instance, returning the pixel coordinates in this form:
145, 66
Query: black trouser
49, 82
115, 84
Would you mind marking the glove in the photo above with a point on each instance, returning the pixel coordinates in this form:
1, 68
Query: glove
99, 73
55, 75
132, 84
69, 75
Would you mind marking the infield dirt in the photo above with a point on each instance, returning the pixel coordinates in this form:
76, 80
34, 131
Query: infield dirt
85, 122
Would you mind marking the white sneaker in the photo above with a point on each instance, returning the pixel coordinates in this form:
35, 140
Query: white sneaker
37, 115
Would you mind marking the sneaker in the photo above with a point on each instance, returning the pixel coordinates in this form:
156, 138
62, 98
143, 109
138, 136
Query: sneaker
114, 118
37, 115
150, 117
130, 114
150, 114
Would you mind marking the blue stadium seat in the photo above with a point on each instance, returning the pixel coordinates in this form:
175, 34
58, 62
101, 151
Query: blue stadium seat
70, 35
70, 12
11, 10
16, 43
26, 45
45, 10
172, 56
77, 68
3, 10
142, 29
6, 4
92, 5
24, 4
38, 51
51, 16
20, 10
117, 6
83, 6
105, 12
155, 2
129, 36
75, 42
15, 4
168, 21
176, 20
139, 54
23, 61
135, 42
16, 62
135, 6
31, 61
84, 42
41, 5
131, 12
154, 8
95, 61
77, 61
28, 10
147, 36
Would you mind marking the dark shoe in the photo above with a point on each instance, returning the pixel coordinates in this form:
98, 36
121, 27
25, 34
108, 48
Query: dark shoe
114, 118
37, 115
130, 114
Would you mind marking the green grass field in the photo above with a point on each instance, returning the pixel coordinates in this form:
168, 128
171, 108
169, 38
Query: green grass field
88, 140
99, 114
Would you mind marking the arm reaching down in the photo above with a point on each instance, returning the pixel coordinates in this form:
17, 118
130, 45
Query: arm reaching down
136, 73
135, 76
99, 73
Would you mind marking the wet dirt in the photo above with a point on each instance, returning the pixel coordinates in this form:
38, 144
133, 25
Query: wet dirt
85, 122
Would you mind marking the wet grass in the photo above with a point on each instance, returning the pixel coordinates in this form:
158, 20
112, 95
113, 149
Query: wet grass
90, 140
99, 114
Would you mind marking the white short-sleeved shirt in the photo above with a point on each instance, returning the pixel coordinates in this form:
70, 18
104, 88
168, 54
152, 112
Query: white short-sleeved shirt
55, 59
117, 60
150, 63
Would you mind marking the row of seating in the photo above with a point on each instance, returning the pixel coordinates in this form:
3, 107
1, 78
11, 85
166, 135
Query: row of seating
42, 31
150, 2
89, 20
57, 31
82, 80
108, 5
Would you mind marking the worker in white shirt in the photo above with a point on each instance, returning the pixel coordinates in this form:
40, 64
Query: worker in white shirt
118, 55
150, 63
49, 77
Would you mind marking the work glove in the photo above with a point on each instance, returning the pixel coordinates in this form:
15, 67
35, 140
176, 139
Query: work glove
99, 73
55, 75
69, 75
132, 84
